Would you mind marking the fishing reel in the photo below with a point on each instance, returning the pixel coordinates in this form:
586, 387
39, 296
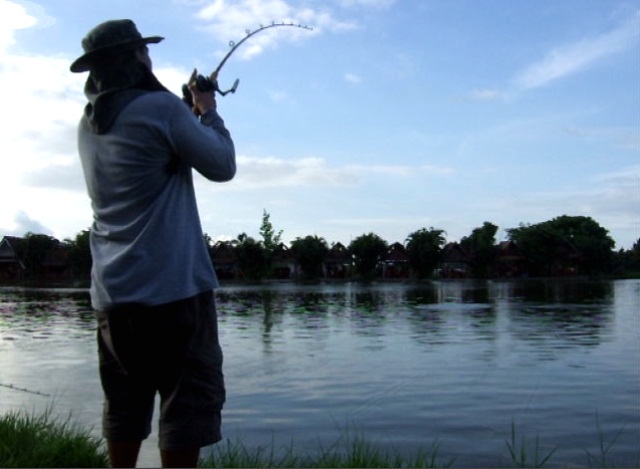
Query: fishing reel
207, 84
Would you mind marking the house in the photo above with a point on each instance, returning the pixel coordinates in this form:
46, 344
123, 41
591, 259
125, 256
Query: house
510, 261
12, 266
224, 260
55, 265
338, 262
567, 259
455, 261
20, 259
395, 262
282, 262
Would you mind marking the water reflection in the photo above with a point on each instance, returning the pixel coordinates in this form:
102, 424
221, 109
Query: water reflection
546, 314
553, 316
465, 356
556, 291
43, 313
549, 314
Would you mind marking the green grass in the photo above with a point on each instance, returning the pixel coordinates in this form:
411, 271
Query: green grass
28, 440
347, 452
603, 459
521, 455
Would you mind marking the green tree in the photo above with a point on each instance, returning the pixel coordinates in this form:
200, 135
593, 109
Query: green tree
34, 251
424, 247
367, 251
270, 239
79, 256
209, 244
481, 244
252, 257
627, 261
545, 245
310, 253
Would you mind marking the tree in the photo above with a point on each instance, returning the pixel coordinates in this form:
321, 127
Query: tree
252, 258
270, 239
79, 256
627, 262
35, 249
367, 251
424, 247
481, 244
310, 253
552, 245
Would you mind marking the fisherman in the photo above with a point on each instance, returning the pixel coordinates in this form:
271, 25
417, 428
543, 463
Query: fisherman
152, 280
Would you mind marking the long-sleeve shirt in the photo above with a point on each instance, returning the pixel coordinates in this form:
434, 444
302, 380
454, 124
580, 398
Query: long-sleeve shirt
147, 242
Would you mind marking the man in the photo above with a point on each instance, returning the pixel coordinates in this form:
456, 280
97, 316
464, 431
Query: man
152, 280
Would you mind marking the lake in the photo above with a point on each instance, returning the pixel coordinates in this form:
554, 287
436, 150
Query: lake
403, 365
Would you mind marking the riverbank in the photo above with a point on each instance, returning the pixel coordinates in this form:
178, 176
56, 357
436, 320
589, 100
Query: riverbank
30, 440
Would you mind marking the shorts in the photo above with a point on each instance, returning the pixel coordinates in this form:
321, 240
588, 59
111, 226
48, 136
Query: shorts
172, 350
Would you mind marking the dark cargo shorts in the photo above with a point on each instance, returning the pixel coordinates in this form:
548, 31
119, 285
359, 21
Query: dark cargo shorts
170, 349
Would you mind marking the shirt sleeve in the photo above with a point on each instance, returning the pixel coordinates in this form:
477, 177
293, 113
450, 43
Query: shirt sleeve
205, 145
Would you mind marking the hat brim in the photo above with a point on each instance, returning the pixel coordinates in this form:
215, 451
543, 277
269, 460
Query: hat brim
83, 63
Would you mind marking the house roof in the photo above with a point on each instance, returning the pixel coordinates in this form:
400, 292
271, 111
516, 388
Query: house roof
338, 253
223, 253
396, 253
11, 250
454, 252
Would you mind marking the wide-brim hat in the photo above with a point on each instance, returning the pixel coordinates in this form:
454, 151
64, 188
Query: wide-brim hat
107, 37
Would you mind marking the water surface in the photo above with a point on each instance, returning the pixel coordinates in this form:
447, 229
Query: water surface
404, 365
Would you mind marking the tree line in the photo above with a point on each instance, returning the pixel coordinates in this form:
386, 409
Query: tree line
565, 245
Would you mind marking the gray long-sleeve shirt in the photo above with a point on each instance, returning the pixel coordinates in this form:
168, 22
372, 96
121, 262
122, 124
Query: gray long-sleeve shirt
146, 240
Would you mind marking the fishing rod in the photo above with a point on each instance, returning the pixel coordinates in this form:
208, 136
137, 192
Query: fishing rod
204, 83
30, 391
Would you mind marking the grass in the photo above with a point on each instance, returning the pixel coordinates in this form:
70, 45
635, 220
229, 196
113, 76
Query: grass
347, 452
28, 440
521, 454
602, 459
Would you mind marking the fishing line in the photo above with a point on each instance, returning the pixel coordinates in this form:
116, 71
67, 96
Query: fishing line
30, 391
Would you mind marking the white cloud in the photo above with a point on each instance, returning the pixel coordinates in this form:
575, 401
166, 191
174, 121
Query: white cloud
12, 18
573, 58
487, 94
278, 172
626, 177
379, 4
623, 138
352, 78
23, 223
259, 173
231, 21
66, 177
437, 170
278, 96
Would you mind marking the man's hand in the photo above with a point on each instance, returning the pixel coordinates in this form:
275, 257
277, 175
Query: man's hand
203, 101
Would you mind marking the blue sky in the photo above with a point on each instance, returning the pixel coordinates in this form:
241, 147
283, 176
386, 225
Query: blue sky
390, 116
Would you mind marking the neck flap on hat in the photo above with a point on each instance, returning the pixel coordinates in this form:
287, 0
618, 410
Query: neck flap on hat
108, 96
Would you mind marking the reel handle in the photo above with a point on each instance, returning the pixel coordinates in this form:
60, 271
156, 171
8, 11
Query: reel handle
205, 84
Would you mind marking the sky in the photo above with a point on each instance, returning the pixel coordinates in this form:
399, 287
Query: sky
387, 117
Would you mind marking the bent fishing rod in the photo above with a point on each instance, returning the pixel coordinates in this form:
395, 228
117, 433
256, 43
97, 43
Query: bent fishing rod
204, 83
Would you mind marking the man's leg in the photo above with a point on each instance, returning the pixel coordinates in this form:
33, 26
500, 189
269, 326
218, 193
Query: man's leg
123, 453
191, 383
180, 457
129, 395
